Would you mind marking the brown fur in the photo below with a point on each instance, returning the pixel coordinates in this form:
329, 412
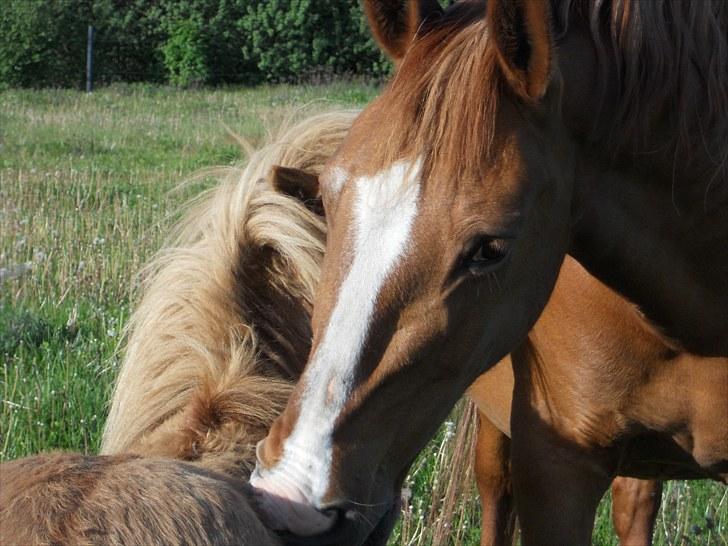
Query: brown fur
669, 61
68, 499
526, 62
596, 393
399, 22
635, 502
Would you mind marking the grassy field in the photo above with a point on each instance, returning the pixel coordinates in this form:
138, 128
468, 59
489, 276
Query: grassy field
87, 192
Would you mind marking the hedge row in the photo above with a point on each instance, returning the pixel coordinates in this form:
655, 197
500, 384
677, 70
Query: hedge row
184, 42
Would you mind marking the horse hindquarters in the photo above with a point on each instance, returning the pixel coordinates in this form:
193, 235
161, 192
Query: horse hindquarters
116, 500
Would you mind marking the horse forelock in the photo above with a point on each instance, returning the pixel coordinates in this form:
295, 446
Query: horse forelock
444, 99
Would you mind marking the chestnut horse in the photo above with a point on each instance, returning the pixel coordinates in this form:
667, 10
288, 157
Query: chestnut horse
509, 136
593, 393
635, 502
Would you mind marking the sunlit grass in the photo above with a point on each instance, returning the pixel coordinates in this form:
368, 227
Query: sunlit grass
87, 193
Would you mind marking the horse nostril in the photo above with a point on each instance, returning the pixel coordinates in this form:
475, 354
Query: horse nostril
336, 510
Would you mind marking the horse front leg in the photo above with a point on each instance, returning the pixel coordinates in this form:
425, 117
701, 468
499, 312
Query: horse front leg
557, 486
492, 466
635, 504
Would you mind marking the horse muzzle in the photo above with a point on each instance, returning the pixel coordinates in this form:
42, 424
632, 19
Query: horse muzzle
288, 510
286, 507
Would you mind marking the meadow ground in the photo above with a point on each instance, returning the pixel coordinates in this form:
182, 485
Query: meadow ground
89, 185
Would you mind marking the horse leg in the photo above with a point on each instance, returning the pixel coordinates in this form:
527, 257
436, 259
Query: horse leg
635, 504
557, 485
493, 476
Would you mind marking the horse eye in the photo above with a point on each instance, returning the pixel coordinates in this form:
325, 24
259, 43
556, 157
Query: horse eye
484, 253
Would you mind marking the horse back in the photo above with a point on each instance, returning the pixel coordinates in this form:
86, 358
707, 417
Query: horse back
124, 499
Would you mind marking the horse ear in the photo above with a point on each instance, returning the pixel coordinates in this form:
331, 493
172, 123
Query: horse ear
394, 23
298, 184
522, 33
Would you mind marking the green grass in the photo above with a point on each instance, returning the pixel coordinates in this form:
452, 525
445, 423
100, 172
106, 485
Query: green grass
85, 199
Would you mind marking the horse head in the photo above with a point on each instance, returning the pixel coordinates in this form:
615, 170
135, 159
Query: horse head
448, 211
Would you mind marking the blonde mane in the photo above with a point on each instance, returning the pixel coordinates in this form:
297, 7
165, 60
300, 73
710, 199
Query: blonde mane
222, 328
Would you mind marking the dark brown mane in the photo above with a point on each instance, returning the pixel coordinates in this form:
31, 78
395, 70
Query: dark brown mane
666, 65
670, 60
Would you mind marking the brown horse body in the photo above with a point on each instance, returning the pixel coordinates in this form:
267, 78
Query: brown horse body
598, 392
124, 500
511, 135
220, 334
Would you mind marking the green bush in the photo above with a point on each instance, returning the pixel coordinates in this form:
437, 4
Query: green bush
184, 42
184, 55
289, 40
129, 36
41, 41
219, 43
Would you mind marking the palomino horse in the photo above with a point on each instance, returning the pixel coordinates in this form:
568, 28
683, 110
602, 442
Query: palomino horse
508, 137
220, 333
194, 383
124, 500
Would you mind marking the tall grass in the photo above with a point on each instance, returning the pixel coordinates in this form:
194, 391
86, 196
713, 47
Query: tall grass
89, 184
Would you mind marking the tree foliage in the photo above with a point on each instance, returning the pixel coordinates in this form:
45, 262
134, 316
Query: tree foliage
285, 39
184, 42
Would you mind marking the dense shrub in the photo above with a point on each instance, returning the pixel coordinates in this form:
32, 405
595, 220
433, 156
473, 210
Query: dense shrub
38, 44
43, 43
184, 42
288, 39
219, 44
184, 54
129, 36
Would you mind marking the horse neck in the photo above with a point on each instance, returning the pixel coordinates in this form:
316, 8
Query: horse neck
628, 233
641, 222
673, 135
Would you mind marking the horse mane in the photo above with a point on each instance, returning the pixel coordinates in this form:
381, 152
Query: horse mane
668, 62
222, 328
671, 62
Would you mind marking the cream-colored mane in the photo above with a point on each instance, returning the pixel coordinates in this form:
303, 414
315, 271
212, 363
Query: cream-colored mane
222, 327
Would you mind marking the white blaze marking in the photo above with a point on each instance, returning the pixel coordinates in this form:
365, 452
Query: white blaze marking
337, 180
384, 210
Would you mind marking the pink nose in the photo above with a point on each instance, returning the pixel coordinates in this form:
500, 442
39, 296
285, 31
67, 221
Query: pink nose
288, 508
